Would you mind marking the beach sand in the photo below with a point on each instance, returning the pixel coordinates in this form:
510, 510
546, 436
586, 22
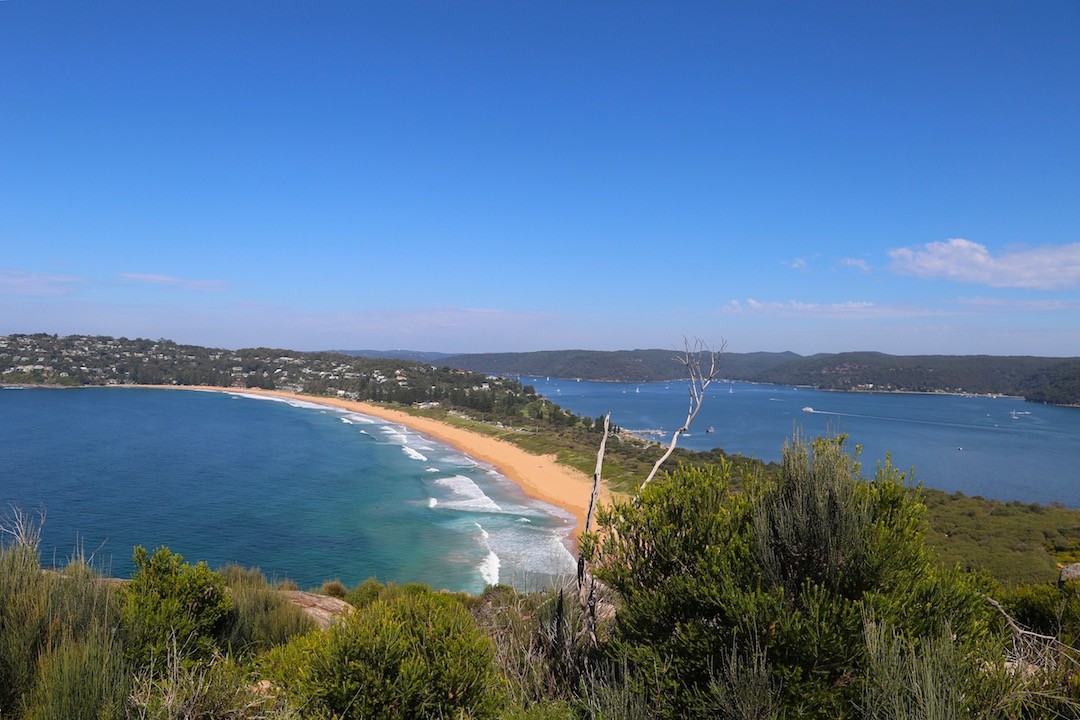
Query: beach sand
539, 476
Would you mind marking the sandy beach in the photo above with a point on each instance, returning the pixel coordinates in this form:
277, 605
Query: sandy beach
539, 476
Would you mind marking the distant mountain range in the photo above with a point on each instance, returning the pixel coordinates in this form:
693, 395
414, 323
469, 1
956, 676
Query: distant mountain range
1039, 379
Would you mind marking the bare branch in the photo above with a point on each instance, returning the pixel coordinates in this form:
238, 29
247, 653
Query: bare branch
23, 529
585, 579
701, 376
596, 474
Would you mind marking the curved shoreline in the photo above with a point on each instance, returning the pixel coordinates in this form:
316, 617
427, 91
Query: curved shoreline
539, 476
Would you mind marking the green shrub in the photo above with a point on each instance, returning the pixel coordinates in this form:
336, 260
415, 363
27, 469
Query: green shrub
416, 655
540, 645
83, 679
334, 588
365, 593
788, 568
172, 607
24, 609
261, 617
217, 689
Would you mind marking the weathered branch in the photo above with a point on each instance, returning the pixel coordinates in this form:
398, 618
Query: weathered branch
21, 527
586, 582
700, 379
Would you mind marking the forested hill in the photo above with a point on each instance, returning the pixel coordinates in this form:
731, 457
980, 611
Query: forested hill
617, 365
1039, 379
1050, 380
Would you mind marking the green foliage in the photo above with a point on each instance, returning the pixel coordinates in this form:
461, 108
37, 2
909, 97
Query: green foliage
53, 627
334, 588
260, 617
171, 606
83, 679
23, 621
1015, 542
931, 679
788, 568
219, 689
364, 594
1048, 609
415, 655
539, 642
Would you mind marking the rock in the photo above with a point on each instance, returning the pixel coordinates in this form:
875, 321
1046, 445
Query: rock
323, 609
1069, 572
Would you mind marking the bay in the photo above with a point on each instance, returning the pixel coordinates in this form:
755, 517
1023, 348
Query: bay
302, 491
996, 447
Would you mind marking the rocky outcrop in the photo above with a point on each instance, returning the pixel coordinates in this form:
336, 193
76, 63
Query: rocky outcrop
323, 609
1069, 572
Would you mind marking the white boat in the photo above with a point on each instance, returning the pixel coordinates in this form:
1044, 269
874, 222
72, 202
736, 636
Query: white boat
808, 409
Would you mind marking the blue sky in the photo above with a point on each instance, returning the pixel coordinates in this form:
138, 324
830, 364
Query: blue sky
493, 176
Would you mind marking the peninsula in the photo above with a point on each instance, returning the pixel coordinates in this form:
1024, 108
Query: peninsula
540, 477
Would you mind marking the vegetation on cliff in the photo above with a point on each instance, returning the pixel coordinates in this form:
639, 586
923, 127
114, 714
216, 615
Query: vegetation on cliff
808, 593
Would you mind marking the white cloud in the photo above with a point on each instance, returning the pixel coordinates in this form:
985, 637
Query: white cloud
842, 310
175, 282
855, 263
797, 264
1044, 268
18, 282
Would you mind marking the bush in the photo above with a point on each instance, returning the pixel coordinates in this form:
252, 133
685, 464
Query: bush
770, 587
172, 607
365, 593
1047, 609
80, 680
416, 655
52, 629
23, 621
218, 689
334, 588
261, 617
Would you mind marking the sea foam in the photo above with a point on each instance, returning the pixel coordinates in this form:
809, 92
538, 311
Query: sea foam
473, 498
413, 454
489, 566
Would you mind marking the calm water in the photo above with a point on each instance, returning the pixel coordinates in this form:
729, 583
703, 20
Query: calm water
1012, 450
302, 491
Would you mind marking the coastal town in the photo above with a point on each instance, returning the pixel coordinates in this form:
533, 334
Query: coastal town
77, 360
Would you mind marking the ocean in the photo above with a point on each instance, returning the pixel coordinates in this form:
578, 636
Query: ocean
1001, 448
301, 491
310, 493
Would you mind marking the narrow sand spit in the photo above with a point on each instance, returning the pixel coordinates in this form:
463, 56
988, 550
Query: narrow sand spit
539, 476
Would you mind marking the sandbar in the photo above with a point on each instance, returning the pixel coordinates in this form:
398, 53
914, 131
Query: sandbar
540, 477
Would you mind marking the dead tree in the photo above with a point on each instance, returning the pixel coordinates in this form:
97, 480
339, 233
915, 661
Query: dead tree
585, 580
701, 376
702, 364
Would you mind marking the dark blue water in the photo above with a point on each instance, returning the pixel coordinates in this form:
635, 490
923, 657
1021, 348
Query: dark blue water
302, 491
1011, 450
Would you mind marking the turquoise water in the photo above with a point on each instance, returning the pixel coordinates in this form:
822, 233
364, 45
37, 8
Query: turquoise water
301, 491
1000, 448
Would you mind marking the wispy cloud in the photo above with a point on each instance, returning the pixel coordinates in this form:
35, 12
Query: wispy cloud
175, 283
999, 305
1048, 267
855, 263
843, 310
796, 264
19, 282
